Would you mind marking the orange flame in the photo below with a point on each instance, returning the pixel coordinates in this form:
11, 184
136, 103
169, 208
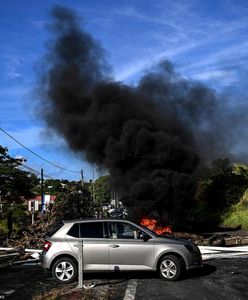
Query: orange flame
152, 225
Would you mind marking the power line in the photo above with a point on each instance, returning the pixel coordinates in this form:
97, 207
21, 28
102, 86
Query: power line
27, 167
35, 171
37, 155
30, 169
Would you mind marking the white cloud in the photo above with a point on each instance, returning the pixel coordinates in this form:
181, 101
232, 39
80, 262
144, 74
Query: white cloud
218, 41
214, 74
13, 64
147, 62
40, 24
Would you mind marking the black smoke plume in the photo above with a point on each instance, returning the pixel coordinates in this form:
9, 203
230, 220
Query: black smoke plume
149, 137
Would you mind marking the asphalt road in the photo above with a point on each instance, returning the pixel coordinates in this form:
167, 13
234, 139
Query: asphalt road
218, 279
24, 281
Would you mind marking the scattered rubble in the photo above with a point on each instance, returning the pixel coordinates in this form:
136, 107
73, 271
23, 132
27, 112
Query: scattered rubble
7, 257
33, 237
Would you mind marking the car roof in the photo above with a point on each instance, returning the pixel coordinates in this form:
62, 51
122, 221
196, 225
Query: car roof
95, 220
108, 220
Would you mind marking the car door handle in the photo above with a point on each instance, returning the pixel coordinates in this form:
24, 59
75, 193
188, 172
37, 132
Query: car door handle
114, 246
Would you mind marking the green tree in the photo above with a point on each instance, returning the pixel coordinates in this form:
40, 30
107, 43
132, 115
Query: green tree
102, 190
15, 185
220, 187
73, 205
14, 182
55, 186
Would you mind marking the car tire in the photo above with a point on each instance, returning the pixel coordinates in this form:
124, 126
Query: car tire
64, 270
170, 268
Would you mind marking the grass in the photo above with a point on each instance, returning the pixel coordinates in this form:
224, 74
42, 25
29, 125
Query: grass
237, 214
63, 294
3, 228
236, 217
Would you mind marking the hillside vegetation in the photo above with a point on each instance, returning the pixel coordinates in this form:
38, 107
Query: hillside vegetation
237, 214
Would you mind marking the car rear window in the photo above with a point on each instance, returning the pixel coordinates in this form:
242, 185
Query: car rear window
53, 229
91, 230
74, 231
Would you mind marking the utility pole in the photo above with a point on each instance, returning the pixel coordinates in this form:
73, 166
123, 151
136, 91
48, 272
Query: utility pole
42, 192
32, 211
93, 186
82, 177
1, 205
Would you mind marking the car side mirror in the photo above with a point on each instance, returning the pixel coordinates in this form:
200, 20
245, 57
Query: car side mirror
145, 237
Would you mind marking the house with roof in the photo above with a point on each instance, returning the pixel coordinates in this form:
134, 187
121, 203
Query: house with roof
34, 204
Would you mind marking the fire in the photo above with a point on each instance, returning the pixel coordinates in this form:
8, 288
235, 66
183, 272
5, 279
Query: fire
152, 225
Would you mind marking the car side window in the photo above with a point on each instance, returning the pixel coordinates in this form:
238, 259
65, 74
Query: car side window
74, 231
143, 235
119, 230
105, 230
91, 230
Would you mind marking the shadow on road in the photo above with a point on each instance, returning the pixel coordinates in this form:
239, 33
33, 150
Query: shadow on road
124, 276
27, 281
204, 271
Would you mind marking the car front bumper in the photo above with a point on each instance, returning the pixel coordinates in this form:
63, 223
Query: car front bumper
195, 261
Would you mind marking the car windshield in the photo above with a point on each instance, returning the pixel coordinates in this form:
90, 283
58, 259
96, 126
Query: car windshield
149, 230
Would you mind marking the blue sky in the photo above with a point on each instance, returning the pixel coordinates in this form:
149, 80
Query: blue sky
205, 40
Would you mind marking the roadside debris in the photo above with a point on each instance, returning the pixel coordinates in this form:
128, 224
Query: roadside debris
222, 252
233, 237
33, 237
27, 244
12, 256
7, 257
217, 239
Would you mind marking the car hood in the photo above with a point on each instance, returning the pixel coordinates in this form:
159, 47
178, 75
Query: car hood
171, 240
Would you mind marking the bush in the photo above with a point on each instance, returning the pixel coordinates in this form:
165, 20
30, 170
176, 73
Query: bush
237, 214
236, 217
218, 191
20, 219
3, 228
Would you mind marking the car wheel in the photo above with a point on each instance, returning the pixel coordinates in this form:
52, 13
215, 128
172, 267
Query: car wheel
64, 270
170, 268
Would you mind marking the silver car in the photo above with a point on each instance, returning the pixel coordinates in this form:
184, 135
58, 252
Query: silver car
116, 245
